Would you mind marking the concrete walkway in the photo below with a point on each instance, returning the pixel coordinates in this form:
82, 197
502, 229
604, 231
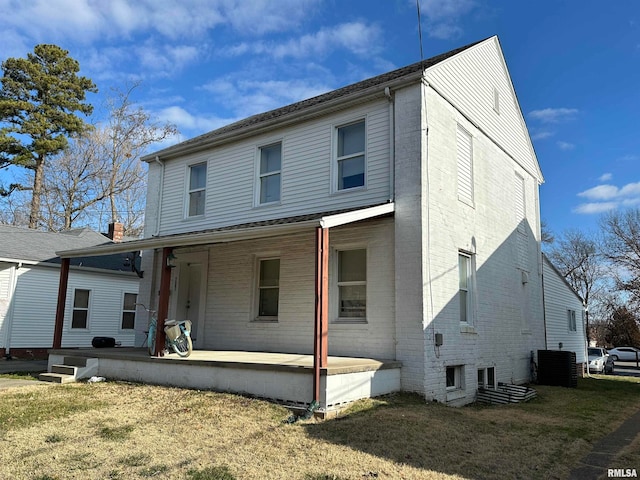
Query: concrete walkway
13, 366
596, 463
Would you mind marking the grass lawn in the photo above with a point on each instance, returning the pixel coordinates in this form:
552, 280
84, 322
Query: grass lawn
129, 431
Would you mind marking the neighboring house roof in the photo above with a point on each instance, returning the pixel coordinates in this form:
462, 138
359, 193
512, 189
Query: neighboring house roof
561, 277
28, 245
322, 101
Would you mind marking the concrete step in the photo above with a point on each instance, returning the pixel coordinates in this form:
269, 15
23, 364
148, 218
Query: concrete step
64, 369
56, 378
75, 361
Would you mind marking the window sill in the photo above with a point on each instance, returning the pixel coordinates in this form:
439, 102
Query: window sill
264, 322
455, 394
466, 328
267, 205
347, 190
349, 321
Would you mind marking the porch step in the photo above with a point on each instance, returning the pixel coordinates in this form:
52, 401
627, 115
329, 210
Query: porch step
73, 369
56, 378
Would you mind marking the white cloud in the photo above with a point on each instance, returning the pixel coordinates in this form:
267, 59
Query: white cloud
542, 135
605, 177
186, 121
601, 192
608, 197
355, 37
444, 16
247, 97
565, 146
593, 208
553, 115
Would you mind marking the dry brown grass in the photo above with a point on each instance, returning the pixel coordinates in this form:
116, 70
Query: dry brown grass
127, 431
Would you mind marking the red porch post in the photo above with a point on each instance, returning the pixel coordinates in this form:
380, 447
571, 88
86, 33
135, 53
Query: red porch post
321, 330
163, 298
62, 298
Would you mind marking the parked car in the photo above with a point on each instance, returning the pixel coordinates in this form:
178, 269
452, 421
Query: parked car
625, 354
599, 360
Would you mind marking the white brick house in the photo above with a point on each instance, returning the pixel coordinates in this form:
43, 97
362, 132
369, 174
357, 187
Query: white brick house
395, 218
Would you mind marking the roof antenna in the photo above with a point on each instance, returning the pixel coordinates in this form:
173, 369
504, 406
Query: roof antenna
419, 30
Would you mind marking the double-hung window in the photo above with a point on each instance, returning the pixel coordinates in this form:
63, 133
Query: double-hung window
196, 190
571, 320
455, 377
268, 288
352, 284
269, 173
465, 272
129, 311
350, 155
80, 315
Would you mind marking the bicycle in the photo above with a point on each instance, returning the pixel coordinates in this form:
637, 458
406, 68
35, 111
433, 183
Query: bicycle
177, 334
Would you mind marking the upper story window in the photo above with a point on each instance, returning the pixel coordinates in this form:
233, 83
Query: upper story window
269, 173
350, 155
465, 165
80, 315
352, 284
197, 187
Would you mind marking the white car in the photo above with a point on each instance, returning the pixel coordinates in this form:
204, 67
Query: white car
599, 360
625, 354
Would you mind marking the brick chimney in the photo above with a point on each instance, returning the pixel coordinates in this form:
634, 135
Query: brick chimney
116, 232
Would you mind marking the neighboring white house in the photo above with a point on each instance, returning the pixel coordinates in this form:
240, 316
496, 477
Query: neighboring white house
564, 314
399, 215
101, 293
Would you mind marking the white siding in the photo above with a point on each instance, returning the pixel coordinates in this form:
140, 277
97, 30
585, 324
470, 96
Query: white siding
35, 307
307, 155
6, 270
470, 81
230, 311
558, 299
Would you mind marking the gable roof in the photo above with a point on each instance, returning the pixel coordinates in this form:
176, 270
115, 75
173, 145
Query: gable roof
334, 99
34, 246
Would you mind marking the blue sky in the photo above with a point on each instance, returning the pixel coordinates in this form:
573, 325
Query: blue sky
204, 63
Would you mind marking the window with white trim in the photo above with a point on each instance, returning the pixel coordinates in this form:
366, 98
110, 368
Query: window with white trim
455, 376
465, 165
129, 311
269, 173
268, 288
80, 314
350, 156
487, 377
571, 320
352, 284
196, 189
465, 287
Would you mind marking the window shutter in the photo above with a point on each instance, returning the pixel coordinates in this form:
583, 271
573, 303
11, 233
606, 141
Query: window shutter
465, 166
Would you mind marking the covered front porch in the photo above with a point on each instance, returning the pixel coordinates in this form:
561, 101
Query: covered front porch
213, 278
280, 377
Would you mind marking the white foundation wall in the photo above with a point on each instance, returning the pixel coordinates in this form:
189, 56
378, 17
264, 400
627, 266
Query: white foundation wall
230, 319
507, 317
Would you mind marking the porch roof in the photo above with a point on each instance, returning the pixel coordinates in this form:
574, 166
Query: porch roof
244, 231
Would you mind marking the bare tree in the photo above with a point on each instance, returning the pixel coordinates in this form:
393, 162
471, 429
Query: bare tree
622, 248
579, 260
99, 178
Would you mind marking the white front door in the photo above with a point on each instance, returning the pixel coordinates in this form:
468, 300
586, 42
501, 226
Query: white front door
189, 292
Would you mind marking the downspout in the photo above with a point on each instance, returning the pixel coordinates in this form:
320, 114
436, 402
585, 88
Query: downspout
160, 192
392, 145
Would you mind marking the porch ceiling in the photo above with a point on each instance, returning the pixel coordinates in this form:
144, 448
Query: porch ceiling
246, 231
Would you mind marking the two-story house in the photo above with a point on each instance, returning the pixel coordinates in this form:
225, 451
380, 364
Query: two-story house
396, 219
